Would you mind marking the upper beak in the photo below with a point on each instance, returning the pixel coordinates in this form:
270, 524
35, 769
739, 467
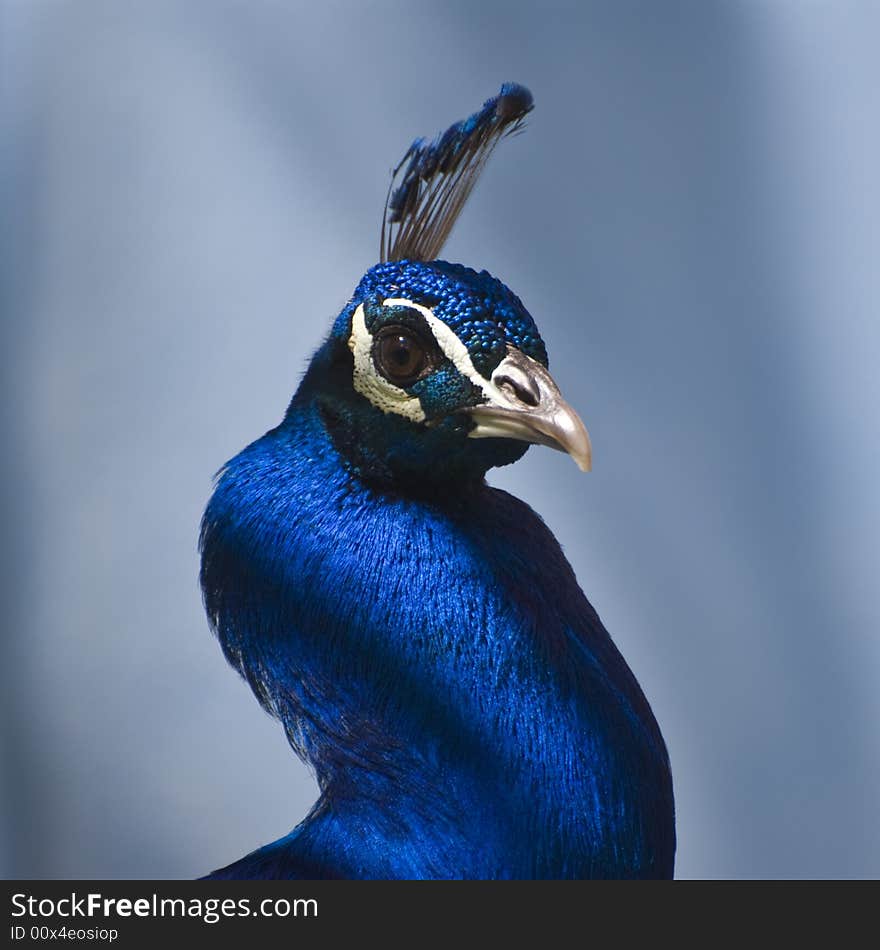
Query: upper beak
524, 403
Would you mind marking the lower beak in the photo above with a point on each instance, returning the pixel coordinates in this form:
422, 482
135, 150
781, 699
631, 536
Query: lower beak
524, 403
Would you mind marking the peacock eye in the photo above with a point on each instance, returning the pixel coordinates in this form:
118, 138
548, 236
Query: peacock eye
400, 355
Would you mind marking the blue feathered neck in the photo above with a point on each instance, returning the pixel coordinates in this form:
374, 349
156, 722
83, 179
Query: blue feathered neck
436, 663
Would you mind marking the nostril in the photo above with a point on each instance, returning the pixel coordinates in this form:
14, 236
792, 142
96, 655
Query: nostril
524, 389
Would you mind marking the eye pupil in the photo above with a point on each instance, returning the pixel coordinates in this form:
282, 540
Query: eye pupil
401, 357
401, 352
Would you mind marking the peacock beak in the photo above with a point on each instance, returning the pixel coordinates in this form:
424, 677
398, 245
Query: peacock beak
523, 402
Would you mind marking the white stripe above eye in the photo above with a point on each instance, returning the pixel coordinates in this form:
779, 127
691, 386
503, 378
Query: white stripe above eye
382, 394
454, 350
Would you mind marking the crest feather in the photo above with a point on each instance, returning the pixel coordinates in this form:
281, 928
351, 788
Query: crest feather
433, 180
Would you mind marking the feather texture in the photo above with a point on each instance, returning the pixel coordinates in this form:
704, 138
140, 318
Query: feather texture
433, 180
464, 709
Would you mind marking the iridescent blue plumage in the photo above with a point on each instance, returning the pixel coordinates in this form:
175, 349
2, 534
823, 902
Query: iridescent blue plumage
484, 314
420, 635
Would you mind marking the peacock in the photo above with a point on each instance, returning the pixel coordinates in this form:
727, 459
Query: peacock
419, 634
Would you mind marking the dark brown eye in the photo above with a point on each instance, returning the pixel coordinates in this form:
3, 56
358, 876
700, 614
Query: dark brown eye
400, 355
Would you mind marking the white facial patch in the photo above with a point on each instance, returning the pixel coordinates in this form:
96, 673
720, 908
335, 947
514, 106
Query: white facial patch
382, 394
390, 398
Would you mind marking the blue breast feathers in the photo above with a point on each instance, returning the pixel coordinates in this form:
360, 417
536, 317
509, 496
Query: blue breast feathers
464, 710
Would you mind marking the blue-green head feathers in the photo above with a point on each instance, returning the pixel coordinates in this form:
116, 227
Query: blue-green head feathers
482, 312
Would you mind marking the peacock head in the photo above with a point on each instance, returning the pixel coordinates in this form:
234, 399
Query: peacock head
434, 371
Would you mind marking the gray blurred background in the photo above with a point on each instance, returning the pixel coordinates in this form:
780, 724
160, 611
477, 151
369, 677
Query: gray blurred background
191, 192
